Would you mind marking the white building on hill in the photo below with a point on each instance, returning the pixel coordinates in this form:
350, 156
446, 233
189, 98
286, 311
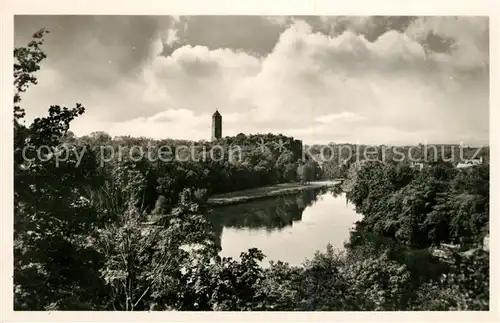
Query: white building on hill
470, 162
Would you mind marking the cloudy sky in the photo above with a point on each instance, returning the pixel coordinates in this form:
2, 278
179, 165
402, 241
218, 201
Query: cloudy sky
392, 80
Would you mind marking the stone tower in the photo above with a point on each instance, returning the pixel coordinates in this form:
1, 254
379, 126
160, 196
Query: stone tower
216, 126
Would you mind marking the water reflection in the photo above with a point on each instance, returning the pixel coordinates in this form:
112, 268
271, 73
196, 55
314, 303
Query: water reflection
277, 224
270, 214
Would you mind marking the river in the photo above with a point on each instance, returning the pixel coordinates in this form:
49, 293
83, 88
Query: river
287, 228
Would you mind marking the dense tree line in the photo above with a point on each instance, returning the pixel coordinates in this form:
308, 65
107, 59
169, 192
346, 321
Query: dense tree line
440, 204
415, 212
336, 159
231, 163
80, 241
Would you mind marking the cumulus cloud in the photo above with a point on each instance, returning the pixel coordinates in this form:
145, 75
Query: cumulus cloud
370, 80
469, 48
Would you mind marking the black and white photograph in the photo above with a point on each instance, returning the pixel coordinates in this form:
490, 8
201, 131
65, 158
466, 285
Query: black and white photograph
269, 163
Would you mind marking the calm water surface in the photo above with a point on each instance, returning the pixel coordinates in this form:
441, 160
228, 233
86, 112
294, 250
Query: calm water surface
289, 228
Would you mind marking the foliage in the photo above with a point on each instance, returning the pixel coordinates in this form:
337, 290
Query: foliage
464, 287
26, 62
54, 266
338, 157
143, 262
421, 209
99, 232
308, 171
236, 163
224, 283
424, 211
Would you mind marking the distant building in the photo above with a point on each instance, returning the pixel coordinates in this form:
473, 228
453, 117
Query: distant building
216, 126
470, 162
417, 165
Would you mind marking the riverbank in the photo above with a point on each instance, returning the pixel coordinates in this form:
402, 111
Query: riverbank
267, 191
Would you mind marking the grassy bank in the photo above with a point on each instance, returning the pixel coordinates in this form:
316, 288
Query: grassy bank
266, 191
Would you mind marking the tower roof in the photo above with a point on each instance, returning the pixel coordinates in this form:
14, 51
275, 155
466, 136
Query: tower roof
216, 114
